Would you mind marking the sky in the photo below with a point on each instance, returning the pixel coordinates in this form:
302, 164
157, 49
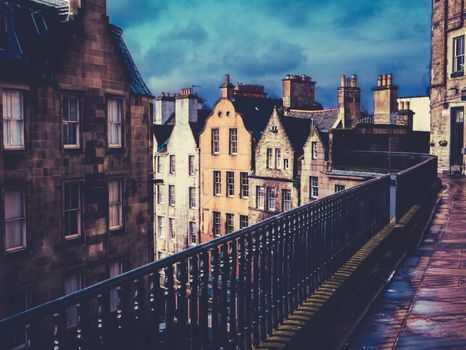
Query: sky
180, 43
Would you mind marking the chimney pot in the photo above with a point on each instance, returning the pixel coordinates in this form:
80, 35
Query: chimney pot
379, 81
342, 81
389, 79
408, 105
354, 80
384, 80
227, 78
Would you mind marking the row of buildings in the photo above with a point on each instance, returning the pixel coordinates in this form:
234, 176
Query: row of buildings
252, 156
75, 158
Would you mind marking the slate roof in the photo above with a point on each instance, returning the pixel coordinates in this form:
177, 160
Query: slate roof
298, 130
162, 135
256, 112
323, 119
32, 55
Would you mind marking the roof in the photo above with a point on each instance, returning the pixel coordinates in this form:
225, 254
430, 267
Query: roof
42, 35
298, 130
162, 135
256, 112
197, 127
323, 119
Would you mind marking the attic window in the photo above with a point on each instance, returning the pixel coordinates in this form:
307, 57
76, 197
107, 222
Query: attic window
219, 114
39, 23
274, 129
228, 113
3, 32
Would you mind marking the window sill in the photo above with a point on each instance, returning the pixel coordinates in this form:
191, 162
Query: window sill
15, 250
116, 230
13, 254
14, 149
458, 74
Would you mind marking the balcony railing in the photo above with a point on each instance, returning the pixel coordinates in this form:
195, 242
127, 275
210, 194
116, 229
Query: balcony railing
230, 293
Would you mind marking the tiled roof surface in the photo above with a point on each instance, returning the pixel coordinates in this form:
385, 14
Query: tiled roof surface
298, 130
323, 119
162, 135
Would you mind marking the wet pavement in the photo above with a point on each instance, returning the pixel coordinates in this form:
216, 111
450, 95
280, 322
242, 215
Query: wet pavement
424, 305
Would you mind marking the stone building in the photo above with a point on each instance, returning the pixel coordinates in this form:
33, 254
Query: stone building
75, 160
176, 173
448, 84
226, 156
274, 183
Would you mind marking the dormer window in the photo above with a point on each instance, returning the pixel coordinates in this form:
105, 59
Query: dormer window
3, 32
274, 129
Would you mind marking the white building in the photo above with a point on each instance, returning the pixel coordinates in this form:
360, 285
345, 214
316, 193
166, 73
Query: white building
420, 105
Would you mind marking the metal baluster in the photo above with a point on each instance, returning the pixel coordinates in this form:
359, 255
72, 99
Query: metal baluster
101, 343
203, 300
137, 314
223, 297
275, 281
232, 304
286, 268
121, 327
193, 285
247, 293
280, 278
264, 290
215, 297
58, 330
28, 329
255, 289
80, 331
154, 309
170, 306
182, 309
241, 294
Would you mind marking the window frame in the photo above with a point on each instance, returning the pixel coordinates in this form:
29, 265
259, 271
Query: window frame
314, 186
192, 197
241, 221
121, 189
229, 223
79, 209
160, 225
113, 298
171, 196
119, 101
215, 141
278, 158
314, 150
191, 166
160, 199
172, 228
192, 232
24, 246
269, 158
456, 56
339, 188
216, 226
217, 185
260, 197
286, 202
22, 146
271, 198
230, 183
244, 185
172, 164
286, 164
72, 308
233, 141
70, 146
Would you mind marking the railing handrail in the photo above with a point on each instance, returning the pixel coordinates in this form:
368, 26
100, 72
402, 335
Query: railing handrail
127, 277
430, 158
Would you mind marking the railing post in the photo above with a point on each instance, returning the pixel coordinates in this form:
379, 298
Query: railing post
193, 303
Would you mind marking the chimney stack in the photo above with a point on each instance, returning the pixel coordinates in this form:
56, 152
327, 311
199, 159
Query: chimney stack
349, 101
227, 88
385, 99
164, 108
186, 107
298, 92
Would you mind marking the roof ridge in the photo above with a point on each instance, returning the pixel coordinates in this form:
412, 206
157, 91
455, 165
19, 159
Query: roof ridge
313, 110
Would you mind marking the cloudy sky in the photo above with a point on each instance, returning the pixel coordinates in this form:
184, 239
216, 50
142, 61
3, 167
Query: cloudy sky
178, 43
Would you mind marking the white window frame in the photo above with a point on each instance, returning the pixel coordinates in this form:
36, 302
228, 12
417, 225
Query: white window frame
314, 150
216, 223
217, 185
160, 163
260, 197
172, 165
172, 228
278, 158
243, 221
171, 195
339, 188
115, 121
230, 184
244, 183
191, 167
192, 232
9, 117
160, 225
233, 141
314, 187
271, 199
269, 157
215, 135
286, 164
458, 55
117, 203
230, 223
286, 200
160, 194
21, 219
77, 210
67, 100
192, 197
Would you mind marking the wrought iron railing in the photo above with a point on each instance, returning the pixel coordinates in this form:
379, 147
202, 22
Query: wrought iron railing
229, 293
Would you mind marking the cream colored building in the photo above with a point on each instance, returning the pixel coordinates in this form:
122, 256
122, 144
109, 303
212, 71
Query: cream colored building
420, 105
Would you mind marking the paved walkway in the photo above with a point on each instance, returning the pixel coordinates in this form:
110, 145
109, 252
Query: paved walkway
424, 306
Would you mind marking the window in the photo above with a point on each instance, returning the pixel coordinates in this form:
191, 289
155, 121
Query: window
217, 183
192, 198
271, 198
115, 269
233, 141
278, 158
243, 221
72, 210
72, 284
458, 54
260, 197
339, 188
269, 158
70, 121
160, 225
15, 220
16, 302
244, 183
171, 195
216, 223
314, 187
114, 113
172, 164
160, 161
230, 223
192, 232
115, 204
215, 141
13, 119
314, 150
171, 228
191, 165
160, 194
230, 184
285, 164
3, 32
286, 200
